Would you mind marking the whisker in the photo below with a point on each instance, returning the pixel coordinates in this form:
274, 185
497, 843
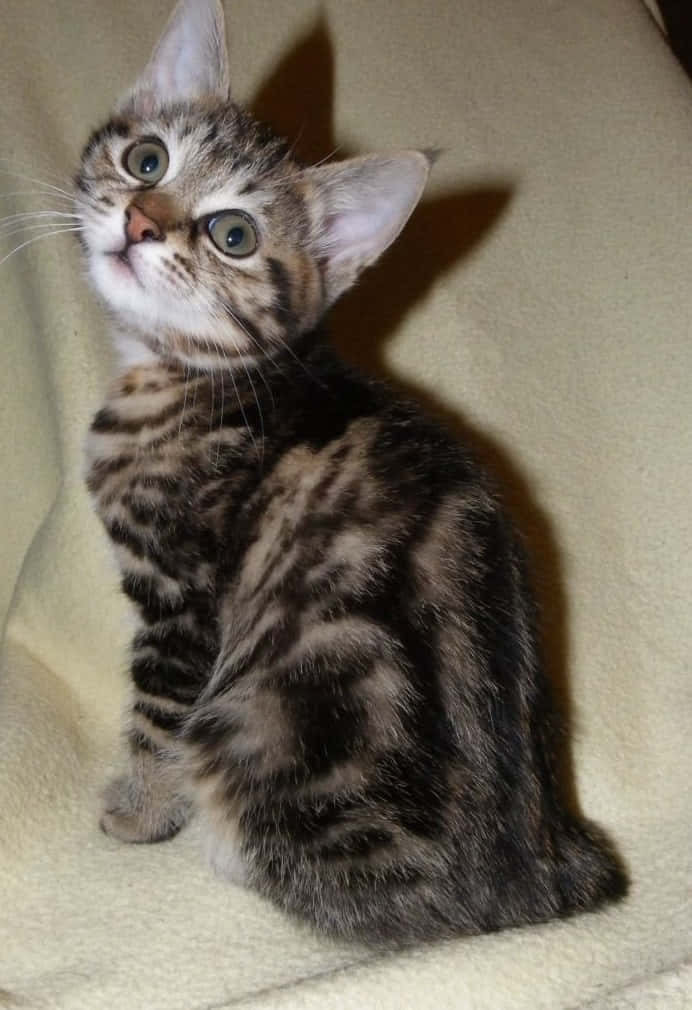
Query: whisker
242, 411
241, 405
14, 219
24, 167
259, 407
37, 192
196, 384
259, 347
211, 405
266, 384
283, 343
328, 156
292, 149
218, 441
50, 234
220, 351
39, 211
302, 364
37, 182
182, 413
16, 228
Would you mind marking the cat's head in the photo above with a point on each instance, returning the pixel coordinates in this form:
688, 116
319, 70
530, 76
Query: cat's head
203, 234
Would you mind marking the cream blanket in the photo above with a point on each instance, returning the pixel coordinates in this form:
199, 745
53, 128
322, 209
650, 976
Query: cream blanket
542, 294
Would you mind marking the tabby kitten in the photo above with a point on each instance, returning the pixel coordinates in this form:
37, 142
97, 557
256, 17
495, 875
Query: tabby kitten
335, 663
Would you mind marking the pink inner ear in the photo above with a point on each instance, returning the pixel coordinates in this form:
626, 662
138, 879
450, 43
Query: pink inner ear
190, 60
346, 234
368, 202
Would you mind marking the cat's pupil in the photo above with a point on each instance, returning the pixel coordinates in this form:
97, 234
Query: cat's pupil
235, 236
149, 164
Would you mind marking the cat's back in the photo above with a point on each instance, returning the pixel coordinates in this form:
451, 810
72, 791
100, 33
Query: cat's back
353, 586
361, 493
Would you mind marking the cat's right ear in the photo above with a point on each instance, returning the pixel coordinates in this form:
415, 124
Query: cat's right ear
190, 60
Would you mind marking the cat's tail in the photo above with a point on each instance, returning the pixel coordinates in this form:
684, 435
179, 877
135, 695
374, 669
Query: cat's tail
589, 871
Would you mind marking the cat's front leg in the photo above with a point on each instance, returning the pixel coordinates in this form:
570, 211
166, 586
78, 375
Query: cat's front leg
148, 803
151, 801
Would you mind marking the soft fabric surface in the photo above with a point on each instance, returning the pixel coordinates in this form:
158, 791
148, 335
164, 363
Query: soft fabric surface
540, 296
656, 12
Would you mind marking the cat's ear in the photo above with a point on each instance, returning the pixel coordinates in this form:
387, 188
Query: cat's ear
190, 60
362, 205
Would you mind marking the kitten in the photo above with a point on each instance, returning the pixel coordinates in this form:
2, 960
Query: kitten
336, 662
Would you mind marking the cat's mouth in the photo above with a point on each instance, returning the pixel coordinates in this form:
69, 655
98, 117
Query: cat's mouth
123, 264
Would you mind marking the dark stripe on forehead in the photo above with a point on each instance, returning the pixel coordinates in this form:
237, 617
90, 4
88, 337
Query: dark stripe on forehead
222, 151
113, 128
121, 127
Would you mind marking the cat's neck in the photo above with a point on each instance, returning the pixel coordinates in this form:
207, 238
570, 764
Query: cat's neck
293, 378
134, 351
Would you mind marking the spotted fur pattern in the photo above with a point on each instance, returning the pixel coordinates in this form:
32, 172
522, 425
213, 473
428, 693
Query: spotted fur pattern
335, 663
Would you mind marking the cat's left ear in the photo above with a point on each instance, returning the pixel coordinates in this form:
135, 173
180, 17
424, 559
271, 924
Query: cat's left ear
361, 206
189, 62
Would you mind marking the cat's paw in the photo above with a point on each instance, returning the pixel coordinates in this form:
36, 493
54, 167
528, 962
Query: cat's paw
133, 816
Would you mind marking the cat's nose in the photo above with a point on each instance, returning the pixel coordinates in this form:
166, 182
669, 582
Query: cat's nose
139, 227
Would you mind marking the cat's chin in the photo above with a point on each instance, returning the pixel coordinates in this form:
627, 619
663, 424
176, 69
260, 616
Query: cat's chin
149, 327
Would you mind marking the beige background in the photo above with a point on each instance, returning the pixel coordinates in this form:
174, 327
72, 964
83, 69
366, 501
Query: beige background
540, 297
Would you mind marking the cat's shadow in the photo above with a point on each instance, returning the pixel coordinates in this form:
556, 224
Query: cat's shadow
297, 100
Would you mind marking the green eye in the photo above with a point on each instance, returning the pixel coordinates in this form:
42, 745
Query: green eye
147, 160
233, 233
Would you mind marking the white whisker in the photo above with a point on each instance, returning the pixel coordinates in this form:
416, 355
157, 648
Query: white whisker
37, 182
239, 399
16, 227
223, 396
302, 364
259, 409
327, 156
50, 234
24, 168
242, 411
257, 344
40, 211
259, 347
261, 375
283, 343
37, 192
20, 222
182, 413
211, 404
292, 149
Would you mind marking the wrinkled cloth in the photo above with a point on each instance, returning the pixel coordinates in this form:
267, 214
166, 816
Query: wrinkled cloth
540, 299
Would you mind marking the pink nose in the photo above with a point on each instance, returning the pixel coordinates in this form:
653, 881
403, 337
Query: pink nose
139, 227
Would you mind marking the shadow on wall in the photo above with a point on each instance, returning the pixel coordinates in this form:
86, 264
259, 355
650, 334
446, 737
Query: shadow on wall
447, 227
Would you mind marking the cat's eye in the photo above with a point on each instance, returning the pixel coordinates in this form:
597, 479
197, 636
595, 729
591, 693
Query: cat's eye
147, 160
233, 233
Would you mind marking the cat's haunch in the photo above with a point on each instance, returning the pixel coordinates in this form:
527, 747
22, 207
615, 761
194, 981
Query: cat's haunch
336, 663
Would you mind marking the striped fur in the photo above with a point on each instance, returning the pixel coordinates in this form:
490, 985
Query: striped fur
336, 663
